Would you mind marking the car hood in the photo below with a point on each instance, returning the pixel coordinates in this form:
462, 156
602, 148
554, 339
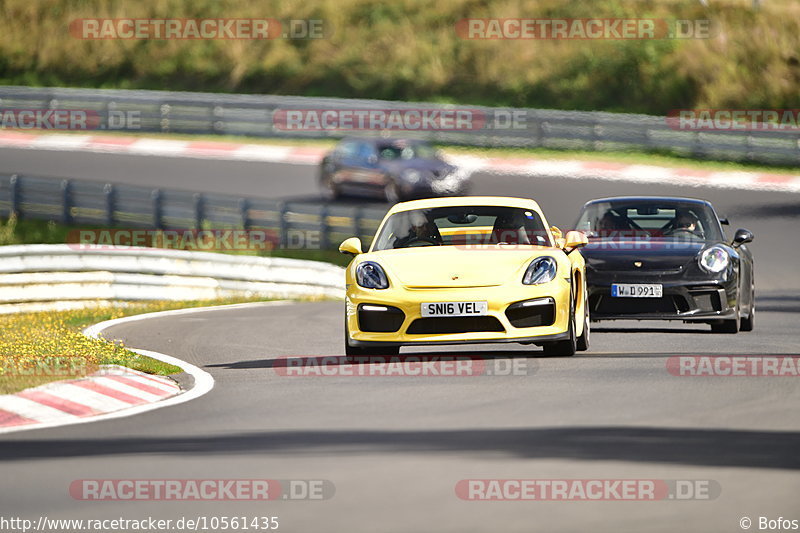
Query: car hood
652, 255
437, 266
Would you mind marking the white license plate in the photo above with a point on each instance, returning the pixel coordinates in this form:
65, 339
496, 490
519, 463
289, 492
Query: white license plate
637, 290
434, 309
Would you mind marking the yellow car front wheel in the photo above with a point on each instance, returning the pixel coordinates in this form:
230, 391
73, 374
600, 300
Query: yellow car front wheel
568, 346
358, 351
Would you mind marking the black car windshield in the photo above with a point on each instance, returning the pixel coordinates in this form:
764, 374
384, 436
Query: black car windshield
626, 219
406, 151
462, 225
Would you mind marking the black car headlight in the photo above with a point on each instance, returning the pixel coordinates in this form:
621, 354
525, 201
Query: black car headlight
541, 270
714, 259
370, 275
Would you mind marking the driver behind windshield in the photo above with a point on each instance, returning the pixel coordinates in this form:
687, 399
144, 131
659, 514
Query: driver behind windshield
685, 222
421, 231
609, 224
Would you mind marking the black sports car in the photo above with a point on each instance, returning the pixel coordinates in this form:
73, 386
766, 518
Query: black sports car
666, 259
393, 169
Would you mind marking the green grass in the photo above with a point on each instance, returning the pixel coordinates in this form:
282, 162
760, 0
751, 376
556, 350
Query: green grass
42, 347
409, 50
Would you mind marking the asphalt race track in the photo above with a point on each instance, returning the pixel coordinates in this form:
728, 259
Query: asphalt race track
395, 447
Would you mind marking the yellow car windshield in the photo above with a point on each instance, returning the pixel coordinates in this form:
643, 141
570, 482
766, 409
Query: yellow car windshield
462, 225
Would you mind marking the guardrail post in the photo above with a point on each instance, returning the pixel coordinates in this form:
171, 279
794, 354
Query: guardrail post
749, 153
324, 229
14, 183
164, 123
697, 150
244, 210
537, 133
597, 136
217, 119
66, 202
283, 224
110, 196
155, 196
648, 138
199, 208
543, 130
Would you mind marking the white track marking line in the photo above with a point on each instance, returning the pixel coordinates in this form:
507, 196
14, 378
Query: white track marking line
60, 142
158, 147
257, 152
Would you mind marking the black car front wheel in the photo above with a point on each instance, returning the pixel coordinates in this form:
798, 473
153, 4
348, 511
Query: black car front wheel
583, 341
747, 323
727, 326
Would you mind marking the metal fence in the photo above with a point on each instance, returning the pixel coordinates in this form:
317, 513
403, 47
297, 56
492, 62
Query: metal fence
38, 277
74, 202
254, 115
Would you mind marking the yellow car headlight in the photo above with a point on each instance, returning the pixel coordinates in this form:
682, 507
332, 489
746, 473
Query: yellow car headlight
541, 270
370, 275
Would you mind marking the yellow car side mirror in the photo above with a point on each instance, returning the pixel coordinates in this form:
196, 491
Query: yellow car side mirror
351, 246
575, 239
558, 237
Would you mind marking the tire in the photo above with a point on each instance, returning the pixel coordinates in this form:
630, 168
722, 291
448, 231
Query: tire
328, 189
746, 324
357, 351
582, 343
569, 346
727, 326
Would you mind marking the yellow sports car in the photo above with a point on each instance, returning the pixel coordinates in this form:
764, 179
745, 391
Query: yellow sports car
466, 270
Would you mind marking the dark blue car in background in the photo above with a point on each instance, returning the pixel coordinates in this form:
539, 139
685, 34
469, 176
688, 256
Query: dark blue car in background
390, 169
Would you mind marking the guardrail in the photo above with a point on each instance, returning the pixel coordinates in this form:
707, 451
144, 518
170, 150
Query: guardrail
294, 224
57, 276
253, 115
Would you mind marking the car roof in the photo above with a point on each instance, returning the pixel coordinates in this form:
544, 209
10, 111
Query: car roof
649, 199
455, 201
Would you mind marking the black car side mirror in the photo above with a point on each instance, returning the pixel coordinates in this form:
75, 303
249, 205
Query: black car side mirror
741, 237
724, 221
